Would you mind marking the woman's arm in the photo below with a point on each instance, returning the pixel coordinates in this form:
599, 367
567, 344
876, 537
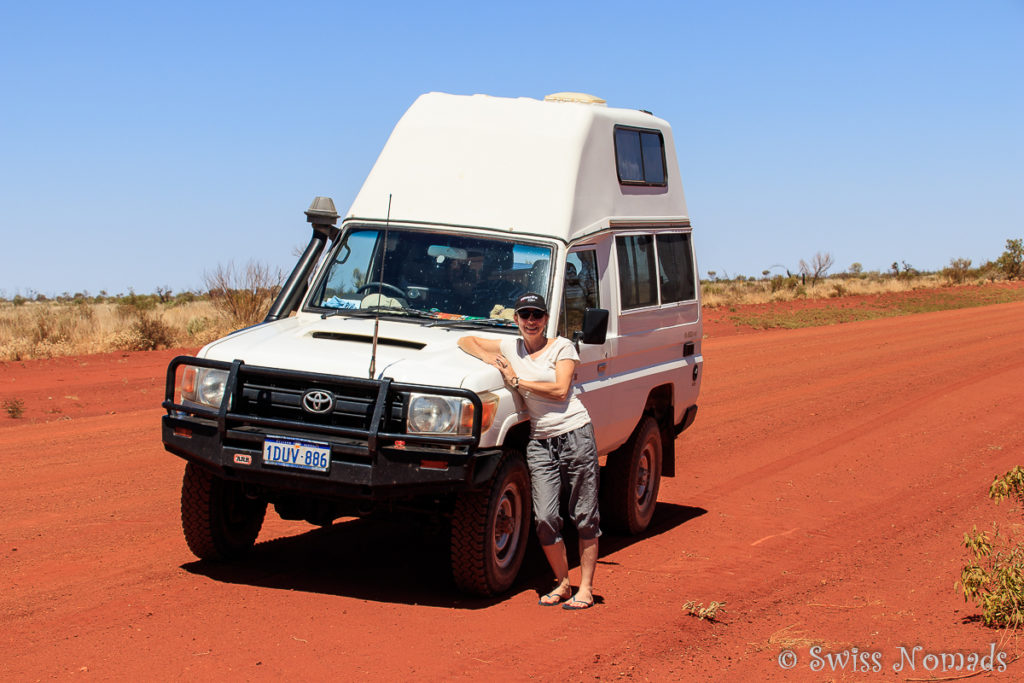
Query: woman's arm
558, 390
483, 348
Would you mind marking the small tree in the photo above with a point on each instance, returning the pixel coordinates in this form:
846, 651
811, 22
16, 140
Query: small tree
1012, 260
958, 270
243, 295
818, 267
856, 269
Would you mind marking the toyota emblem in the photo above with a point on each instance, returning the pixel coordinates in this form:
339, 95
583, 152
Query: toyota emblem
317, 401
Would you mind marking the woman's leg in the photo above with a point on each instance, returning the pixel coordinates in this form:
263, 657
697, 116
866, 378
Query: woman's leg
560, 566
588, 563
545, 485
584, 472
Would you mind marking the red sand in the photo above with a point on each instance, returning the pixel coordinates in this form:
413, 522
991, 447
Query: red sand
823, 494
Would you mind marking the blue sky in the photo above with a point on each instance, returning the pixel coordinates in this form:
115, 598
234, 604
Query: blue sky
142, 144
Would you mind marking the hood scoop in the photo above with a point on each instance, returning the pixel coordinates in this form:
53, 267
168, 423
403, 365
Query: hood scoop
368, 339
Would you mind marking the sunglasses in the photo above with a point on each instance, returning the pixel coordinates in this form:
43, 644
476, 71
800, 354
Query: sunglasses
531, 314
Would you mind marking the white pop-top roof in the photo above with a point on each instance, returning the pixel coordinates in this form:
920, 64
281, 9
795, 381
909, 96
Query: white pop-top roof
515, 164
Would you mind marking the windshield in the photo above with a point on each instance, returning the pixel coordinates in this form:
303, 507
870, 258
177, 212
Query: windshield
445, 275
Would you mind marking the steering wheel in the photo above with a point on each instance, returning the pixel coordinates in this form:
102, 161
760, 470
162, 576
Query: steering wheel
382, 286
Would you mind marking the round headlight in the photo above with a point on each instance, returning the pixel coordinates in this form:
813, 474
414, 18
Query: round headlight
211, 387
431, 414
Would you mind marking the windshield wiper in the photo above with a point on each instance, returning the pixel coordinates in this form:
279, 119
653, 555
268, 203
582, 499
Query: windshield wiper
479, 322
371, 311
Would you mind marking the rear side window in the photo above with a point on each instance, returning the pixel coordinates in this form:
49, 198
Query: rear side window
637, 284
639, 156
675, 267
655, 270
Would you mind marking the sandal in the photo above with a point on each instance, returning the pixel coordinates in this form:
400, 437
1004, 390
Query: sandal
575, 604
552, 594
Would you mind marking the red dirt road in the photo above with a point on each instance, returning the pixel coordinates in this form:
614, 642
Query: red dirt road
823, 494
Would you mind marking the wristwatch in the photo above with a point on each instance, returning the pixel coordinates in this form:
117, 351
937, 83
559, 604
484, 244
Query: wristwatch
514, 382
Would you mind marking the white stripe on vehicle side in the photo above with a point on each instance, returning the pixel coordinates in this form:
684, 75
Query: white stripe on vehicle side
611, 380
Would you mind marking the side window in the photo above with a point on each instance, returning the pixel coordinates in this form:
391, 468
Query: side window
639, 156
580, 291
350, 270
675, 267
637, 284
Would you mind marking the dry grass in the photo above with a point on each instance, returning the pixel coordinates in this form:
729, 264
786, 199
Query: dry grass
731, 293
47, 329
34, 329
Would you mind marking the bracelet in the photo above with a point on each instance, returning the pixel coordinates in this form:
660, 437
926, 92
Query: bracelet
514, 382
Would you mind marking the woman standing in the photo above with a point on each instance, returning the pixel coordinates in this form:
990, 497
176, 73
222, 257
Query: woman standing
561, 451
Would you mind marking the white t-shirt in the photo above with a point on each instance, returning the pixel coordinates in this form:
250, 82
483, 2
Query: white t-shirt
547, 417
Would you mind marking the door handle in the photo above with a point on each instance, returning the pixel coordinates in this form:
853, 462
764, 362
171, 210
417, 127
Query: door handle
601, 367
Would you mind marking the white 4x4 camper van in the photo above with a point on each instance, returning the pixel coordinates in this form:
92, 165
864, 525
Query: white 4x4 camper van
353, 396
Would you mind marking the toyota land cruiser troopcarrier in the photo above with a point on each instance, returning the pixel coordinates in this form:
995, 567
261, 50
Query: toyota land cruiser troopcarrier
352, 395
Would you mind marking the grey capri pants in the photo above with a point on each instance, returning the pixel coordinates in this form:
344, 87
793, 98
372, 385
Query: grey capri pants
568, 459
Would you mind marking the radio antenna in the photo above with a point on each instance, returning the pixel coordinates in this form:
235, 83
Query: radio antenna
380, 284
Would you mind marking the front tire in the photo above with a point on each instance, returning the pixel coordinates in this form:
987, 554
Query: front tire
490, 530
220, 522
631, 480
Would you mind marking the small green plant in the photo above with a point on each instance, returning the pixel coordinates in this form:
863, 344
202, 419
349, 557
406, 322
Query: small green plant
196, 326
1010, 485
993, 577
15, 407
697, 609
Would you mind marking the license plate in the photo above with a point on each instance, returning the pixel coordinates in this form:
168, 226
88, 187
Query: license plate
297, 454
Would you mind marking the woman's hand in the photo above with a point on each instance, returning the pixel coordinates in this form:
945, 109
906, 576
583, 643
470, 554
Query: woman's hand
504, 367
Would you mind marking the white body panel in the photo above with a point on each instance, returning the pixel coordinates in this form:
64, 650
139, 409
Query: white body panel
521, 165
490, 166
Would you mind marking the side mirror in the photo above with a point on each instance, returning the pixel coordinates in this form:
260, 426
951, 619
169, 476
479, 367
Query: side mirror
595, 327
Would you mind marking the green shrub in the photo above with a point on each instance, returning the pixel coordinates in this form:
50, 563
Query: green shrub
1011, 262
195, 326
958, 270
131, 304
779, 283
152, 333
993, 577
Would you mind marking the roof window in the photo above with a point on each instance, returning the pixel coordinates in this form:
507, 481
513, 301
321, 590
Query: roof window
639, 156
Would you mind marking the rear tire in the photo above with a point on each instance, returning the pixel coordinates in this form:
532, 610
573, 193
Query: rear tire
490, 530
631, 480
220, 522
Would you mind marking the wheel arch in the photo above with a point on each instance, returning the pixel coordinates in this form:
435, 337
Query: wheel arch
660, 405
